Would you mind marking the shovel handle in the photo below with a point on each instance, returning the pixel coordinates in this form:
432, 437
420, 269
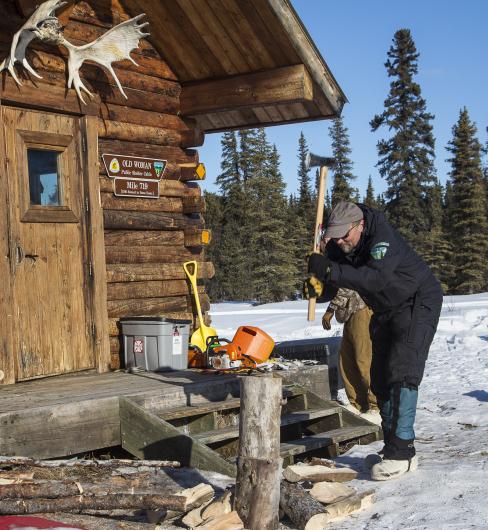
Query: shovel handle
192, 276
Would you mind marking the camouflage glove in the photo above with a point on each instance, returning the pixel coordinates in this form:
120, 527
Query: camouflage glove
327, 318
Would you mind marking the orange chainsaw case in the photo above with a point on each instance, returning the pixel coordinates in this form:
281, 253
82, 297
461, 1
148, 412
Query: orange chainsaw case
252, 342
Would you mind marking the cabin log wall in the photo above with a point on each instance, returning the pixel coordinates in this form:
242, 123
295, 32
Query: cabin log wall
146, 240
268, 57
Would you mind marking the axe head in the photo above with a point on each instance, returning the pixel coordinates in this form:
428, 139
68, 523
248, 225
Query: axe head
318, 161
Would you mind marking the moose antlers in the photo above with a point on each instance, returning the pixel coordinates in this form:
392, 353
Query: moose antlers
114, 45
45, 12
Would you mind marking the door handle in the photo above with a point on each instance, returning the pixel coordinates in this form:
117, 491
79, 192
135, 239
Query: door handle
20, 254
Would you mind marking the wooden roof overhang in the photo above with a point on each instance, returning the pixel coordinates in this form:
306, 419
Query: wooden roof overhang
241, 63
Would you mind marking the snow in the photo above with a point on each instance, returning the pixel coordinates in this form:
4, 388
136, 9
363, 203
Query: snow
449, 489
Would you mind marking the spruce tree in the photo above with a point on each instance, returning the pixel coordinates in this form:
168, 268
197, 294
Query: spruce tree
369, 198
303, 214
232, 270
327, 205
485, 172
214, 218
406, 158
438, 249
467, 209
341, 151
270, 251
305, 198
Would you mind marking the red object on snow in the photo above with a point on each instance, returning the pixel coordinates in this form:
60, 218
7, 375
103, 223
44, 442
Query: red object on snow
18, 522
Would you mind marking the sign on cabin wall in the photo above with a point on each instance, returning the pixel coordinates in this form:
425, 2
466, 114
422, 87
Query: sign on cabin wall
136, 188
134, 176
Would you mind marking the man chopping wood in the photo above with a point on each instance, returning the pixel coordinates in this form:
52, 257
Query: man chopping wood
365, 253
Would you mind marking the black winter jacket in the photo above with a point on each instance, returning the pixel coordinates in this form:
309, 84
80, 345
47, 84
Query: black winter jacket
383, 268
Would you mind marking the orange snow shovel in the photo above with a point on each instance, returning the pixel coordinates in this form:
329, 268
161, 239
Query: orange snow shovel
199, 337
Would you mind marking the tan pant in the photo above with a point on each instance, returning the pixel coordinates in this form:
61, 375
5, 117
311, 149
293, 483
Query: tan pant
355, 360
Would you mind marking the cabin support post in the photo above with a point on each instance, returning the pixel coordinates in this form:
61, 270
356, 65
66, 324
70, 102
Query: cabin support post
98, 284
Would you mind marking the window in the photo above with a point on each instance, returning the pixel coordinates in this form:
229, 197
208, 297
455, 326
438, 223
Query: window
44, 181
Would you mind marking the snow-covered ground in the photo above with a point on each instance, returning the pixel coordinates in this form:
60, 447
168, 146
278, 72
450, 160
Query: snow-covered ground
450, 488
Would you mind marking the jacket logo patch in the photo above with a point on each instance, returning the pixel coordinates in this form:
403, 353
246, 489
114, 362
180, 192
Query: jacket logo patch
379, 250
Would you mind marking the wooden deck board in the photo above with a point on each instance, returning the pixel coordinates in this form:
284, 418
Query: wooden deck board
63, 415
59, 390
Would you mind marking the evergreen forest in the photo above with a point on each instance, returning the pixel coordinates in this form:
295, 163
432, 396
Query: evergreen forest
261, 237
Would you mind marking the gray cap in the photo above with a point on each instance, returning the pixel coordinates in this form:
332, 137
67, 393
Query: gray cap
341, 218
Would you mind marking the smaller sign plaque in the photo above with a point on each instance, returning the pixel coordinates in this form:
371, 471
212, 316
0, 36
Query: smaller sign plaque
133, 167
193, 172
136, 188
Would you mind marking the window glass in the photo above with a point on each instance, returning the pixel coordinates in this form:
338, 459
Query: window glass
43, 177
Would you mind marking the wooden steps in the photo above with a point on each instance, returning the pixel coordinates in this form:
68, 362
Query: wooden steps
207, 435
288, 419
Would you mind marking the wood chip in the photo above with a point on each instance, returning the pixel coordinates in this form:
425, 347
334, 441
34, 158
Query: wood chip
217, 508
319, 474
314, 461
227, 521
197, 495
330, 492
340, 509
194, 518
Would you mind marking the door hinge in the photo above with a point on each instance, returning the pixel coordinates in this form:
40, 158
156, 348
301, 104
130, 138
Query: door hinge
87, 204
83, 143
94, 330
90, 269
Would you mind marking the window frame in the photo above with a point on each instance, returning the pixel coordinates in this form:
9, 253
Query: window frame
64, 145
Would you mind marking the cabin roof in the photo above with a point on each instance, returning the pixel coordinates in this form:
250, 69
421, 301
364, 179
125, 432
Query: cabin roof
241, 63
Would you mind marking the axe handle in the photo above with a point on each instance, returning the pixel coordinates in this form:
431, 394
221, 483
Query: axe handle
319, 217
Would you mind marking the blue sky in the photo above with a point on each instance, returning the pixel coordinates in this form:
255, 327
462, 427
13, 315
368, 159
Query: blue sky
354, 37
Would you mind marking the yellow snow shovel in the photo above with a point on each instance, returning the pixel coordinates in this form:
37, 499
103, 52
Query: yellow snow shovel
199, 337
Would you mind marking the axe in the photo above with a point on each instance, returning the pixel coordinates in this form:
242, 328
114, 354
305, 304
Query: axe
324, 163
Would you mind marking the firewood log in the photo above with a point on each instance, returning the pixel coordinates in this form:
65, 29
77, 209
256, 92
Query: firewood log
9, 462
82, 503
298, 505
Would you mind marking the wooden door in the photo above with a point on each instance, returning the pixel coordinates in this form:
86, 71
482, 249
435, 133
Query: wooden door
49, 265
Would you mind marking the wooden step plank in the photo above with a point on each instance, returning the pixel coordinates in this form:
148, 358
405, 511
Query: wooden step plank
195, 410
324, 439
292, 390
305, 415
232, 432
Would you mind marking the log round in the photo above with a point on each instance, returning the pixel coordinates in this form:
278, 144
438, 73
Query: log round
259, 462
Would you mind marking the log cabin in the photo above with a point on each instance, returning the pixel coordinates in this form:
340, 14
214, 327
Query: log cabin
79, 249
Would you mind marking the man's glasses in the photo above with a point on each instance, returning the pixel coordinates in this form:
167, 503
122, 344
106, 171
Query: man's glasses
347, 234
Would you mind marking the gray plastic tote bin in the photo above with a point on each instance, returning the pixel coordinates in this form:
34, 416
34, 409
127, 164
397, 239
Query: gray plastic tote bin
153, 343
